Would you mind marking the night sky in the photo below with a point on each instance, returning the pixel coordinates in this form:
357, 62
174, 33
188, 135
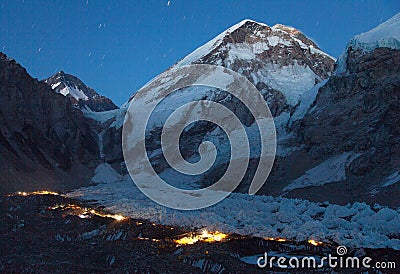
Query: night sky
115, 47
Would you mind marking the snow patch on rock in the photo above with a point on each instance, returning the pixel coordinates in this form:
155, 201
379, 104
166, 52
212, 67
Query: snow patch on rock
104, 173
102, 116
392, 179
306, 100
75, 92
329, 171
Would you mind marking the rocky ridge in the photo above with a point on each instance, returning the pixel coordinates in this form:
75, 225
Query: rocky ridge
45, 141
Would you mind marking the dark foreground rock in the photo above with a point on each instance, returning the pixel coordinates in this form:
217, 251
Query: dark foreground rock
52, 234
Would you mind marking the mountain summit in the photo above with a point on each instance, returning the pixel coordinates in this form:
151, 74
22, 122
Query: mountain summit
80, 94
277, 60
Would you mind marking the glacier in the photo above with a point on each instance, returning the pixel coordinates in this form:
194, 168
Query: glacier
352, 225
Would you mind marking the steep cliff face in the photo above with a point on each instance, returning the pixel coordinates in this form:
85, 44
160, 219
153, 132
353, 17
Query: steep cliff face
45, 141
80, 94
350, 132
359, 109
350, 136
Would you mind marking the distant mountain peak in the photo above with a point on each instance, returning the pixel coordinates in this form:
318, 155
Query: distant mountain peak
5, 57
79, 93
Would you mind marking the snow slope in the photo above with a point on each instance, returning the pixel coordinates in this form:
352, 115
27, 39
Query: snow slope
292, 80
386, 35
75, 92
102, 116
210, 45
306, 100
105, 173
392, 179
329, 171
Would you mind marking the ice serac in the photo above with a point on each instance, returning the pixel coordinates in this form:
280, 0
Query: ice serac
80, 94
45, 142
385, 35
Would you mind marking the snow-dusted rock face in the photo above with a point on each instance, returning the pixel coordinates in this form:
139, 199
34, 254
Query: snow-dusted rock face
80, 94
356, 111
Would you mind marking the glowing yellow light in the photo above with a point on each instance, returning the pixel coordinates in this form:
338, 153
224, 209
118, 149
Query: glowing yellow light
187, 240
40, 192
218, 236
44, 192
315, 243
205, 236
276, 239
85, 212
119, 217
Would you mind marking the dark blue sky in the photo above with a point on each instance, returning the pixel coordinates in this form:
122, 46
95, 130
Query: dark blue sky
117, 46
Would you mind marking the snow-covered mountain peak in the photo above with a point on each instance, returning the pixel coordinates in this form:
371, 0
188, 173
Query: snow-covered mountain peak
247, 20
67, 84
281, 58
216, 42
244, 23
80, 94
